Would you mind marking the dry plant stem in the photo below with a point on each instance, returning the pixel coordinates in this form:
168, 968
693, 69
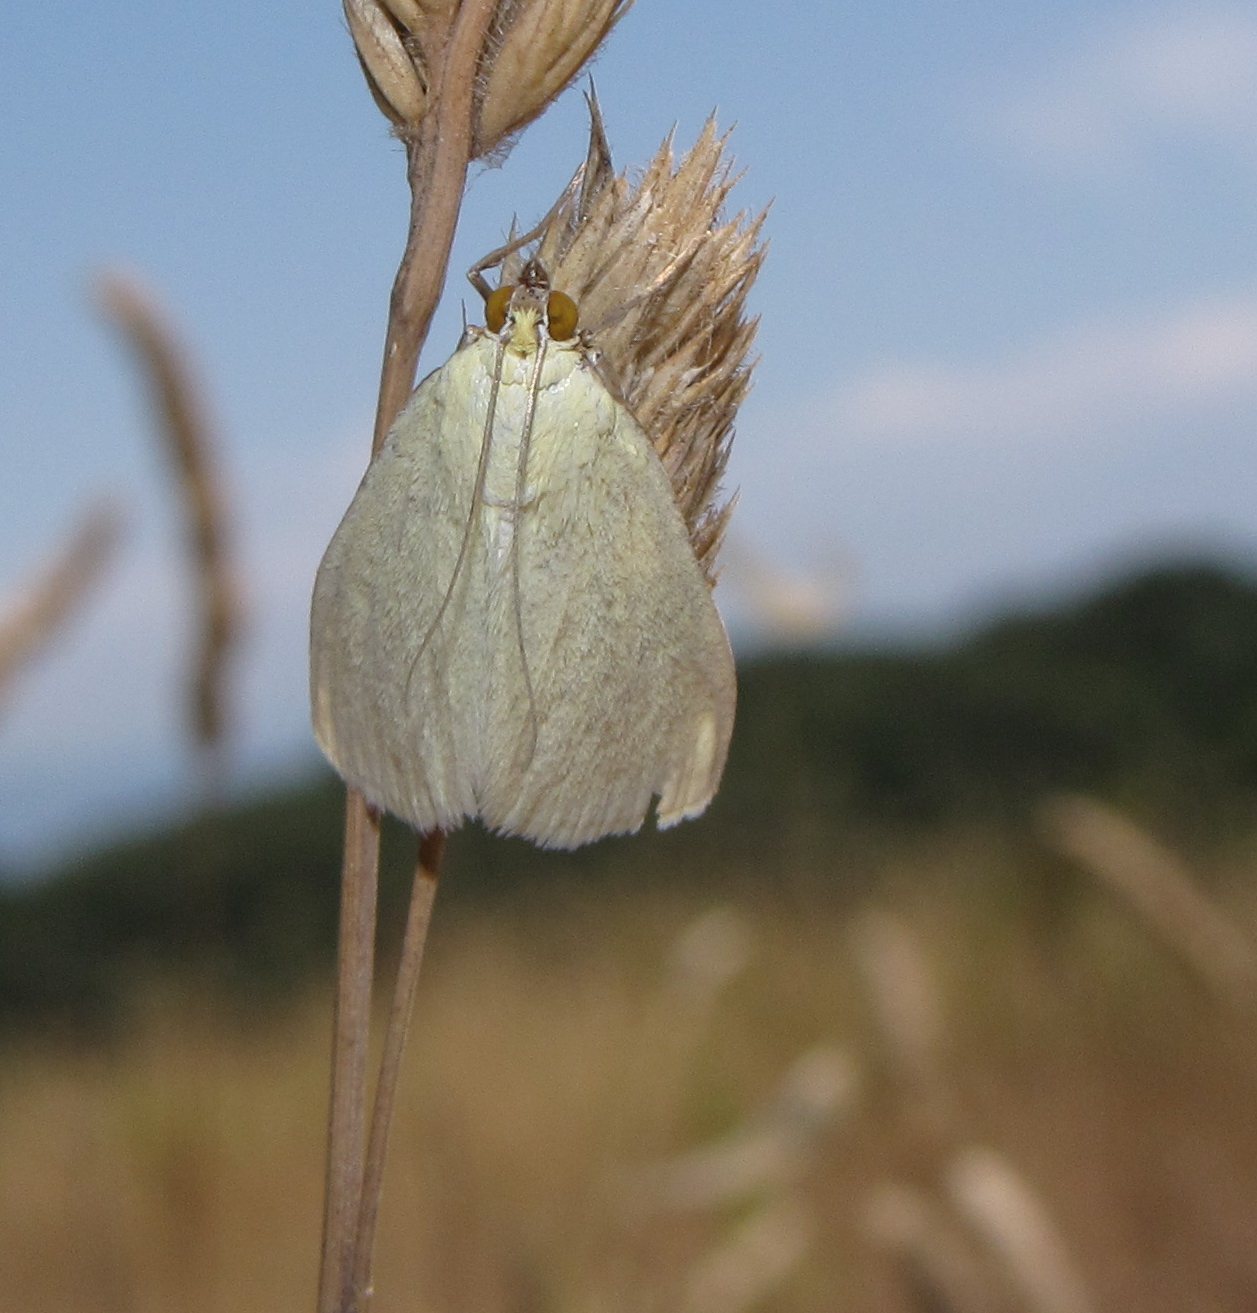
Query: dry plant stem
1161, 889
43, 606
437, 162
427, 875
346, 1127
191, 443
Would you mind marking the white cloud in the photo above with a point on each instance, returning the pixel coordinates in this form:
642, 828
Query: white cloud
1187, 74
1095, 374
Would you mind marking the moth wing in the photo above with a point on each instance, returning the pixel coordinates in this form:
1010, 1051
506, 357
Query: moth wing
393, 674
633, 685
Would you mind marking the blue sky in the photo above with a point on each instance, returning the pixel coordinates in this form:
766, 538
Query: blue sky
1009, 335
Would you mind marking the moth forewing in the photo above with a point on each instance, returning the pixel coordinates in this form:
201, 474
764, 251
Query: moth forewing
632, 673
404, 738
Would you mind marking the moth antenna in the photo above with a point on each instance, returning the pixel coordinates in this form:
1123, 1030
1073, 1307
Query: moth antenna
521, 484
477, 500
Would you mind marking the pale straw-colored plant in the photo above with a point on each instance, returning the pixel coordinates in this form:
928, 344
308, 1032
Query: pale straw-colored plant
907, 1004
33, 614
1018, 1244
190, 441
935, 1262
1160, 888
770, 1150
1008, 1214
661, 281
751, 1264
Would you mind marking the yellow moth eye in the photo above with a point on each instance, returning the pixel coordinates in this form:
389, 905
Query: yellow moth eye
562, 314
496, 306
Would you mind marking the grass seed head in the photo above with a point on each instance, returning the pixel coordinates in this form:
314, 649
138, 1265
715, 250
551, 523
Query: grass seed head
661, 279
533, 50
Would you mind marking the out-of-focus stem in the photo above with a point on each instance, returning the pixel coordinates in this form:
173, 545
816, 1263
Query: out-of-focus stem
1161, 889
40, 609
190, 440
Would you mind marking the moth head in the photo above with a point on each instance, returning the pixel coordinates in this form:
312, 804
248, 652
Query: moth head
521, 307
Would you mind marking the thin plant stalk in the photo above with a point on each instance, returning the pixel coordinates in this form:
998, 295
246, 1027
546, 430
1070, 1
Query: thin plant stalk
419, 917
346, 1123
40, 608
191, 442
437, 162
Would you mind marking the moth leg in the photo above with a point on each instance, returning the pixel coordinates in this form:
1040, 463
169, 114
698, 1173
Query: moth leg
586, 182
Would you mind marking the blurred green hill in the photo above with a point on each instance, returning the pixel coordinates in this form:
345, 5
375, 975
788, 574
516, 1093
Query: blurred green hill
1144, 693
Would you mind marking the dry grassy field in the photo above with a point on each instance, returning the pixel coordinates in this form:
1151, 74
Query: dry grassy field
932, 1099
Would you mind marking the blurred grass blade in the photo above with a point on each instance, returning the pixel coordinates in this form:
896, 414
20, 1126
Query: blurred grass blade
1161, 889
36, 611
190, 442
1003, 1209
938, 1271
908, 1009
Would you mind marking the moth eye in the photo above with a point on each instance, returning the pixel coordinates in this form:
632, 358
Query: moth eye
562, 314
496, 306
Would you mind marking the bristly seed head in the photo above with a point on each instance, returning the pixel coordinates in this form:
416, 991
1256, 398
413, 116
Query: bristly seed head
661, 281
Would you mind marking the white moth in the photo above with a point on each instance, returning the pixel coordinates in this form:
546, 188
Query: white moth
510, 622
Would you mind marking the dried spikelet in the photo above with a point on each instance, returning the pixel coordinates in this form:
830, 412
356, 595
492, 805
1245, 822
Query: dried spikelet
31, 619
392, 74
532, 51
1160, 888
661, 282
411, 14
188, 438
536, 48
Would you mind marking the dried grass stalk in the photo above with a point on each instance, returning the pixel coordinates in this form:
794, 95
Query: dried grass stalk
661, 281
448, 108
772, 1149
189, 440
1006, 1212
754, 1262
907, 1004
32, 617
707, 956
1161, 889
939, 1272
